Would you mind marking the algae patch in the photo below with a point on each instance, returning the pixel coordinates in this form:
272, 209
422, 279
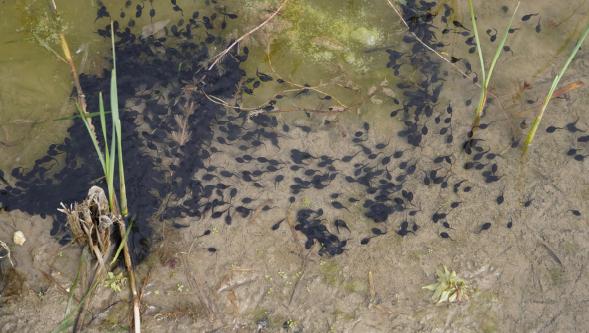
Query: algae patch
330, 271
323, 33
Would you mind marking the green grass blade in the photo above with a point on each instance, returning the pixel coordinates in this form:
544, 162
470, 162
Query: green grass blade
77, 116
114, 100
103, 125
538, 119
500, 48
74, 285
478, 41
66, 323
110, 177
93, 138
123, 242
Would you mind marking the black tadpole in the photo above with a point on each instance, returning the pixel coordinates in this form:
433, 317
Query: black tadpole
276, 225
484, 226
338, 205
340, 224
445, 235
500, 199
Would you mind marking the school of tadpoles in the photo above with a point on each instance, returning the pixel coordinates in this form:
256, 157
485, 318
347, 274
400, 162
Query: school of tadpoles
188, 157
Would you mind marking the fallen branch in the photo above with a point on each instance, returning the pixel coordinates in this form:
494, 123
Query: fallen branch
294, 84
220, 56
260, 109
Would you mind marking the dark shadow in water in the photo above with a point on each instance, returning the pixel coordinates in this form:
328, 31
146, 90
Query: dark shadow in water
143, 64
171, 129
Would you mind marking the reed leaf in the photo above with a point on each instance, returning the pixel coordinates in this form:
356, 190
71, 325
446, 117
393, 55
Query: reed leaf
477, 39
93, 138
536, 122
487, 74
121, 245
114, 104
76, 116
499, 49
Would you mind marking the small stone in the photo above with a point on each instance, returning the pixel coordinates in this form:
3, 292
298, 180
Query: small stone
19, 238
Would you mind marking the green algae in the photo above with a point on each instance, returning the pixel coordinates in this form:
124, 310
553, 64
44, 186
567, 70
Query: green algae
355, 286
325, 32
330, 272
322, 34
557, 276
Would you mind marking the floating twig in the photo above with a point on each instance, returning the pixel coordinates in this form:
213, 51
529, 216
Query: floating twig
420, 41
220, 56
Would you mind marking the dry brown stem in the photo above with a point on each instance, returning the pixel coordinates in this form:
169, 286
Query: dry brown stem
425, 44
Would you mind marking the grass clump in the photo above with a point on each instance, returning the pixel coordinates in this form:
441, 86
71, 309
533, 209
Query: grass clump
99, 213
486, 74
448, 287
115, 153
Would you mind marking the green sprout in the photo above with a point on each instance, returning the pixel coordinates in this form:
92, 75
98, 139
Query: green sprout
448, 288
486, 74
538, 118
115, 282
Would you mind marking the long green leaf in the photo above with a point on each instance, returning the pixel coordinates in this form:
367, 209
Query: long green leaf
538, 119
122, 244
93, 138
103, 127
500, 48
110, 178
477, 39
76, 116
486, 75
114, 102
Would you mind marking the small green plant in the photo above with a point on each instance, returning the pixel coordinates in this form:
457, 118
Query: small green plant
486, 75
115, 281
449, 287
538, 118
289, 324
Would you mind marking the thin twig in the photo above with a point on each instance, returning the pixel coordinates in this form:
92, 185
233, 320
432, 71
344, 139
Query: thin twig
427, 46
294, 84
221, 102
220, 56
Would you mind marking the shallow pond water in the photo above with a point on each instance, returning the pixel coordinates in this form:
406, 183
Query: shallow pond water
315, 178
